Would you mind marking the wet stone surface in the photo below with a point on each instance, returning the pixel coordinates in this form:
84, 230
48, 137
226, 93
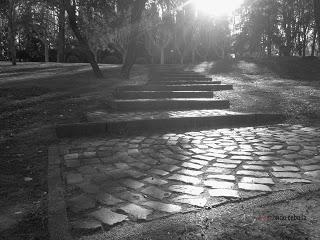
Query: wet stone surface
110, 181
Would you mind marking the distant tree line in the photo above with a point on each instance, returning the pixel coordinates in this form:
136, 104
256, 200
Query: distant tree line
277, 27
153, 31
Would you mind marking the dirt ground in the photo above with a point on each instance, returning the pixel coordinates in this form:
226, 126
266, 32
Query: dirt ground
34, 97
297, 219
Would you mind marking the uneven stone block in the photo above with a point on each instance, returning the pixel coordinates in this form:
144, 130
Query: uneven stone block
218, 184
252, 173
136, 211
241, 153
229, 161
192, 165
155, 181
223, 165
74, 178
155, 192
201, 162
224, 193
219, 170
191, 200
286, 169
268, 158
314, 174
80, 203
184, 178
108, 217
130, 183
88, 187
187, 189
159, 172
257, 180
254, 187
262, 163
190, 172
252, 167
131, 197
286, 175
283, 162
86, 224
107, 199
223, 177
294, 180
163, 207
71, 156
241, 157
311, 167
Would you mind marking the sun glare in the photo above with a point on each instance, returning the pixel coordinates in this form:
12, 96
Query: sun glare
217, 7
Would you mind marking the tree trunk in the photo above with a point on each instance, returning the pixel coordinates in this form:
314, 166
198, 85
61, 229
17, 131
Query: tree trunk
61, 34
193, 56
46, 50
137, 9
11, 31
182, 59
317, 19
314, 38
162, 56
269, 39
82, 40
223, 52
124, 56
304, 43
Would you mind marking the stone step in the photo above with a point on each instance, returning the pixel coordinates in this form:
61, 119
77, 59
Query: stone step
181, 78
179, 75
105, 123
173, 72
176, 82
162, 94
168, 104
178, 87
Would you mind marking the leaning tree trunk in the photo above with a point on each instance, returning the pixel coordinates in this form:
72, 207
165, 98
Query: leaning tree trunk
61, 34
11, 28
137, 9
82, 40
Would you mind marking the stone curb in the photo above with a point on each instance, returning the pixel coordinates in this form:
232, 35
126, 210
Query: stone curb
58, 225
180, 222
150, 125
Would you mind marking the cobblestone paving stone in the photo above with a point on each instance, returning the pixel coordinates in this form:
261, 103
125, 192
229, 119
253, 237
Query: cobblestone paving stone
114, 180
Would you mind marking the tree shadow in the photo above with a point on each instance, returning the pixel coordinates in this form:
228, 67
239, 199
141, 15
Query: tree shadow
298, 68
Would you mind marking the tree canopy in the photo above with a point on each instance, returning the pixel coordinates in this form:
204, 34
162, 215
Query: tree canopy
154, 31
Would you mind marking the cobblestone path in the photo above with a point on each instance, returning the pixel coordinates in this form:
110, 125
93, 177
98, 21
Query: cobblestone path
117, 180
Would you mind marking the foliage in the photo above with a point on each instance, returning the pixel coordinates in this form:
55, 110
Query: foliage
282, 27
172, 32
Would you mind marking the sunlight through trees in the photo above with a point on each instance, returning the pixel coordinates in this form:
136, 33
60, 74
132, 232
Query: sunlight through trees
156, 31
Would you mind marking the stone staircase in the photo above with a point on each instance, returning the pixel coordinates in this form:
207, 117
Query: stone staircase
173, 99
171, 88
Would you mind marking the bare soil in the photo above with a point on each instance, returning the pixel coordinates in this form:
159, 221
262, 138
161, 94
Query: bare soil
34, 97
